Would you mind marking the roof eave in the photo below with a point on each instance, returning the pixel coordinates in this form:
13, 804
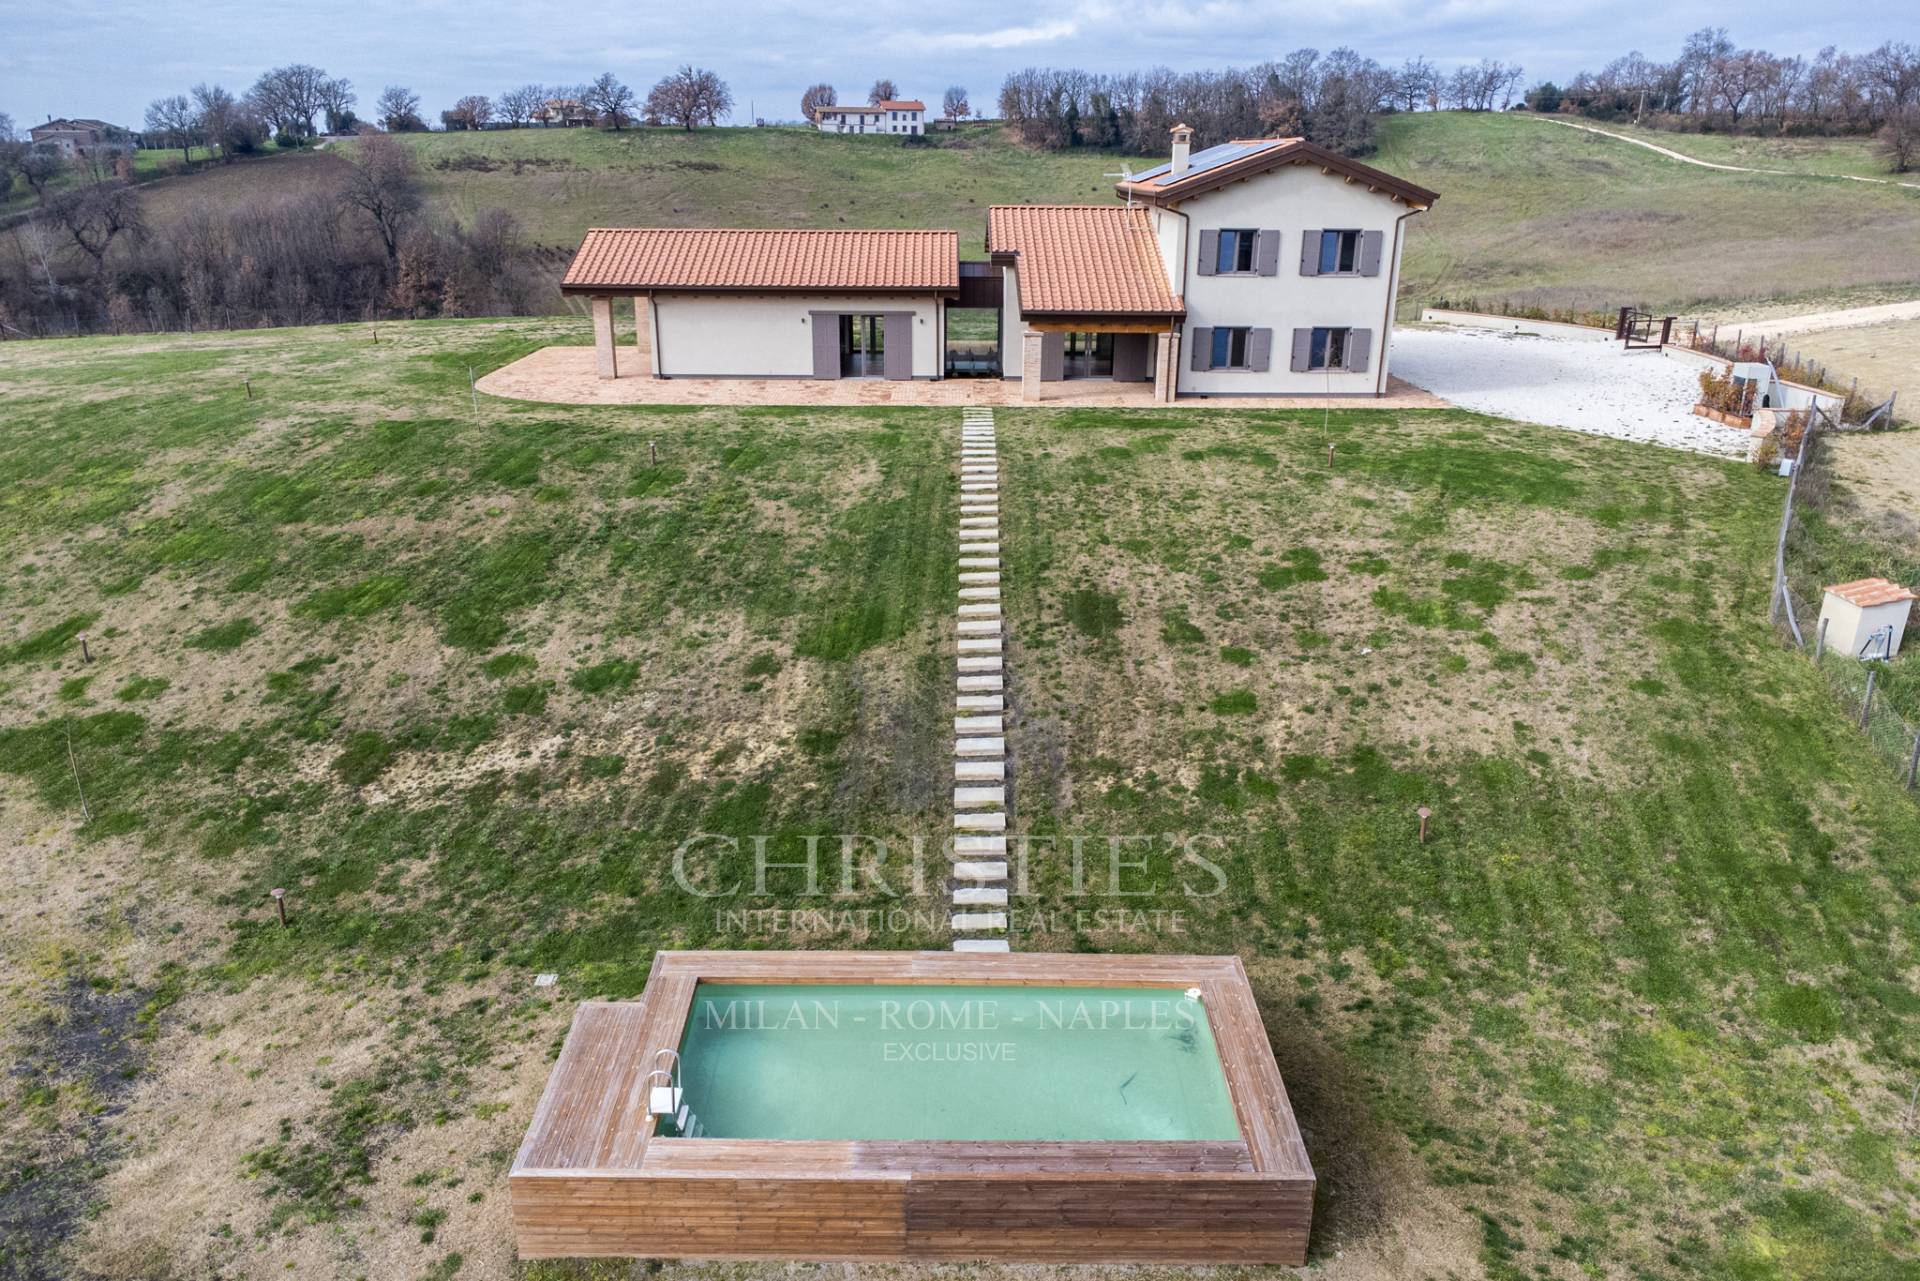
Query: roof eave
662, 287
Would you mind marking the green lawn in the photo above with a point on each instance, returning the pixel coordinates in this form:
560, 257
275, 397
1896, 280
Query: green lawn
463, 680
1858, 156
1641, 1004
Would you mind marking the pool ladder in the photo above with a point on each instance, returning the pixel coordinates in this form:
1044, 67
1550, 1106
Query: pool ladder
669, 1100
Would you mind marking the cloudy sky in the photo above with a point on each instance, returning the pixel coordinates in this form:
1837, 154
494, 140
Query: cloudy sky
109, 58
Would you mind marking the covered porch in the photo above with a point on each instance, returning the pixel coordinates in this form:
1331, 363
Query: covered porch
1062, 357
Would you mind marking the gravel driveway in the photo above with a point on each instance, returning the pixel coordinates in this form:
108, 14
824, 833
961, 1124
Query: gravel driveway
1583, 385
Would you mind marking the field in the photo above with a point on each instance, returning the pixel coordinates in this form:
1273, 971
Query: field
1529, 212
464, 678
1533, 212
1885, 358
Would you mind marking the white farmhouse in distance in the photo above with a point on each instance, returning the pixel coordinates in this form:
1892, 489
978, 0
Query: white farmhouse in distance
905, 115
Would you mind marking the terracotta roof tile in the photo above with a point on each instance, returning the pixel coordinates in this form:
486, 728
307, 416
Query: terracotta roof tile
716, 258
904, 104
1868, 592
1084, 258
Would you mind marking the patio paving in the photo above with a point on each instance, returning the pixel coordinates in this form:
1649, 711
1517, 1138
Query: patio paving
565, 376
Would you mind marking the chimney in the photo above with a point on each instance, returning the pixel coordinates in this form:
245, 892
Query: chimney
1182, 146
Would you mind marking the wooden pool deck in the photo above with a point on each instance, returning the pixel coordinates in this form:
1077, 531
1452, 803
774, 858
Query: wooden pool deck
592, 1177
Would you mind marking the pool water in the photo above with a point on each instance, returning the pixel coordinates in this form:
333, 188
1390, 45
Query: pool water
949, 1061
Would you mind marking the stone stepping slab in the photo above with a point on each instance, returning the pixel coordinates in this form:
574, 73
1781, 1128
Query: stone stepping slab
980, 663
980, 577
980, 821
993, 747
980, 562
980, 684
975, 725
984, 870
979, 645
979, 771
978, 921
987, 847
980, 896
980, 703
974, 798
977, 610
989, 548
979, 629
986, 591
980, 945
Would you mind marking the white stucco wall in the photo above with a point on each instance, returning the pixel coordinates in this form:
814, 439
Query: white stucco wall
771, 335
1011, 326
1290, 200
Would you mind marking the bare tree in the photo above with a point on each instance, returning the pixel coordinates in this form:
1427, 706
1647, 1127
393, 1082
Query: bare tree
816, 97
609, 99
173, 120
223, 122
1900, 140
384, 185
399, 109
883, 91
471, 112
1414, 83
336, 100
290, 97
516, 106
97, 215
690, 97
953, 103
38, 168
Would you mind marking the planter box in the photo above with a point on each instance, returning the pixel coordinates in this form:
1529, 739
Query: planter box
1743, 421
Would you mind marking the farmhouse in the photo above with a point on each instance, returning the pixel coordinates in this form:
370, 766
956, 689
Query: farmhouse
1258, 268
70, 138
906, 115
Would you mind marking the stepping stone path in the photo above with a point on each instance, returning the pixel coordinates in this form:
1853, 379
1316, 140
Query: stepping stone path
979, 919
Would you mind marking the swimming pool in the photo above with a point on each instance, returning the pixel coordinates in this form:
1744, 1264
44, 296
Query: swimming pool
980, 1062
918, 1106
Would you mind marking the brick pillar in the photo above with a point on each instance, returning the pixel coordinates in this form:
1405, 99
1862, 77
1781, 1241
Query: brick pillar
1032, 357
1166, 367
643, 335
604, 360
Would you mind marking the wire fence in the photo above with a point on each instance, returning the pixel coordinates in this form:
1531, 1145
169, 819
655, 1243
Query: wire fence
1861, 686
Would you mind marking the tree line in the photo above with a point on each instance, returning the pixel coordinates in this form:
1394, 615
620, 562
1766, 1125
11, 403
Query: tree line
1714, 85
1332, 99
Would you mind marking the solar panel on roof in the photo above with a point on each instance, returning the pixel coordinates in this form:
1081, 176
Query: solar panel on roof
1211, 158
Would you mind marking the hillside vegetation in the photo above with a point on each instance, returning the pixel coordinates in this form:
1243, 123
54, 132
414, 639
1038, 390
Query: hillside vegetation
1529, 211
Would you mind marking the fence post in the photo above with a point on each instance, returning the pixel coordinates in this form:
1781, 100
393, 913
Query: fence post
1866, 705
1820, 644
1913, 763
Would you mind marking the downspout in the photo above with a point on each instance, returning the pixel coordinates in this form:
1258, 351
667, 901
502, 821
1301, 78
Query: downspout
1393, 296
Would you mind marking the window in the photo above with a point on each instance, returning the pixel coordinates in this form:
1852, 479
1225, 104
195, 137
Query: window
1339, 253
1236, 252
1230, 348
1328, 349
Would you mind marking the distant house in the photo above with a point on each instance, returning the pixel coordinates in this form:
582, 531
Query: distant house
907, 115
70, 138
563, 113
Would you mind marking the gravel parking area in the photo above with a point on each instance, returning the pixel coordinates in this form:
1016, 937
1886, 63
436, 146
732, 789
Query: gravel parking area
1579, 384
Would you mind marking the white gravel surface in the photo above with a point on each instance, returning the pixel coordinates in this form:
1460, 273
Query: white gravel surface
1587, 386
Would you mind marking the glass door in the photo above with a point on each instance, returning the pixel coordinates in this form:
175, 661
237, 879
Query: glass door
863, 347
1088, 356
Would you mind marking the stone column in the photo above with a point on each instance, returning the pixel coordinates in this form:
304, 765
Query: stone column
1032, 357
1166, 367
605, 362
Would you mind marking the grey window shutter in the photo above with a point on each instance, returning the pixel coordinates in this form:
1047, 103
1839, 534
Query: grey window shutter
1259, 348
826, 343
1359, 348
1302, 348
898, 359
1209, 252
1310, 253
1202, 348
1266, 253
1053, 357
1370, 243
